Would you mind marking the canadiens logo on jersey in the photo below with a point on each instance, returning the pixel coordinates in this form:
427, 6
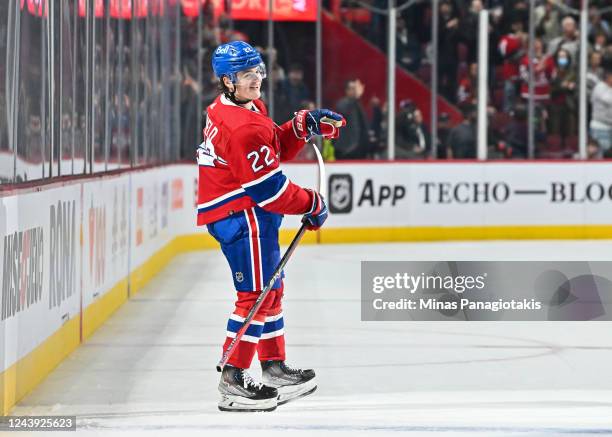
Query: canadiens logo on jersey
207, 156
206, 151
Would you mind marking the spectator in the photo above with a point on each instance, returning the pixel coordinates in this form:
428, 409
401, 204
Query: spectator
595, 74
601, 123
563, 108
292, 91
548, 21
276, 69
593, 150
543, 71
512, 49
189, 41
353, 143
516, 133
276, 73
444, 128
409, 52
469, 30
377, 28
607, 57
600, 41
496, 32
597, 25
568, 41
448, 39
514, 10
468, 87
412, 139
378, 125
190, 130
462, 138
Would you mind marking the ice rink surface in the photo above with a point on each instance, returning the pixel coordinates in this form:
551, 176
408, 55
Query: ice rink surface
150, 370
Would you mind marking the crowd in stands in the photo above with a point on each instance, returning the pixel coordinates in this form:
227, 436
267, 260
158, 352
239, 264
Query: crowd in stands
555, 70
555, 89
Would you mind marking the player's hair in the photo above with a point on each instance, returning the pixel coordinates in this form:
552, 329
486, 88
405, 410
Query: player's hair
227, 93
222, 87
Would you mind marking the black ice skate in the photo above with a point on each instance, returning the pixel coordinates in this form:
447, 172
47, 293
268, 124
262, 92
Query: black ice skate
291, 383
240, 393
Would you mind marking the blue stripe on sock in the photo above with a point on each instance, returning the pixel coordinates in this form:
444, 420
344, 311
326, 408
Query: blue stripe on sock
252, 330
273, 326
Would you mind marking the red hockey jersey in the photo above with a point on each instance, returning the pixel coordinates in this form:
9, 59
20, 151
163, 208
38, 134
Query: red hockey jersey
239, 163
544, 69
511, 48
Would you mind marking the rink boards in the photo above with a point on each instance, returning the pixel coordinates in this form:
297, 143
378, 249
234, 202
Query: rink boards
74, 251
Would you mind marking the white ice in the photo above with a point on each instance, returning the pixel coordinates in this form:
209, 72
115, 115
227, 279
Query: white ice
150, 370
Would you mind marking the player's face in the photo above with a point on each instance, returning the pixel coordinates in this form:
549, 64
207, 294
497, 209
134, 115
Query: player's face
248, 84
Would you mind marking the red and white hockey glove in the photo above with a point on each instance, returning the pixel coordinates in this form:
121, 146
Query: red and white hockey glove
317, 214
307, 124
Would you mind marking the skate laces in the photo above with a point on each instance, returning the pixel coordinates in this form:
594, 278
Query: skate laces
290, 369
247, 380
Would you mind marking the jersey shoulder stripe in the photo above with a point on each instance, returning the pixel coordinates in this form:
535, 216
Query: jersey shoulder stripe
221, 200
262, 178
267, 188
277, 195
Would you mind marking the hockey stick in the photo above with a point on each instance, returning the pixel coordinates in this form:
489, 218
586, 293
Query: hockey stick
277, 273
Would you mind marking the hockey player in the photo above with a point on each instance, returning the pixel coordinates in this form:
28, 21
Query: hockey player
242, 197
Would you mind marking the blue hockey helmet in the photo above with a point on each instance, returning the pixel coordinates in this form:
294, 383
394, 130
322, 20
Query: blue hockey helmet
230, 58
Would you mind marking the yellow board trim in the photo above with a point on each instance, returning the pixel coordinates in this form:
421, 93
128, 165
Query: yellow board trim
461, 233
100, 310
144, 273
23, 376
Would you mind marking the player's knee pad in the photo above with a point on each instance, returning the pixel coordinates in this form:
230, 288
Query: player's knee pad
270, 306
276, 304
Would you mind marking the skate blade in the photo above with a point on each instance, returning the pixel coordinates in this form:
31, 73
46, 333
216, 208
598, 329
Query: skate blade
290, 393
246, 405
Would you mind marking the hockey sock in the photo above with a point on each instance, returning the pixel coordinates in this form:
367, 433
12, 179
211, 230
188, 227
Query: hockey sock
244, 352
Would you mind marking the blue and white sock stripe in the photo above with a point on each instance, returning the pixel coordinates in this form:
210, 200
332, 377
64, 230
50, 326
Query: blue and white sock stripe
267, 188
274, 326
274, 318
221, 200
253, 332
235, 317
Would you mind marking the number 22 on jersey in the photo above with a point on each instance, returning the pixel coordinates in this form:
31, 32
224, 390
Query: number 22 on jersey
260, 159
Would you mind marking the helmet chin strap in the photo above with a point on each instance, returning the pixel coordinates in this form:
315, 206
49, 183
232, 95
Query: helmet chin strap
233, 99
232, 96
